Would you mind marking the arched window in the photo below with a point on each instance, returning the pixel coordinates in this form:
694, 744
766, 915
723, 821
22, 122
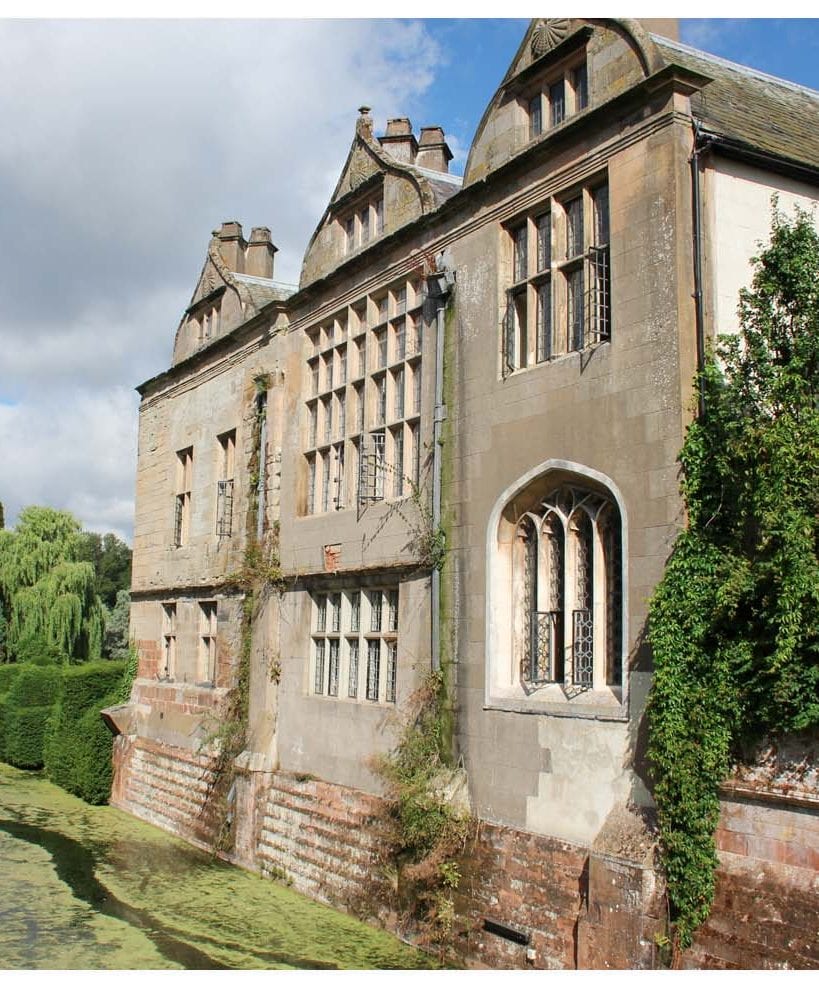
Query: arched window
559, 546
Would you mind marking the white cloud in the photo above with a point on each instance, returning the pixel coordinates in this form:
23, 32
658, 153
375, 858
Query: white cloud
72, 451
124, 144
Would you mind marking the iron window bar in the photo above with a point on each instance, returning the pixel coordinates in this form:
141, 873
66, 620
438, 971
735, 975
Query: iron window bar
582, 647
540, 667
599, 294
224, 507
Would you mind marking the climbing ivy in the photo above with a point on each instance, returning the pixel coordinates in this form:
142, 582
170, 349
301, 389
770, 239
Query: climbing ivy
425, 831
259, 575
734, 623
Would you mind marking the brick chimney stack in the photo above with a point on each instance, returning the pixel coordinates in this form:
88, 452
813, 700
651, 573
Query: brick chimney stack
399, 140
259, 253
231, 244
433, 151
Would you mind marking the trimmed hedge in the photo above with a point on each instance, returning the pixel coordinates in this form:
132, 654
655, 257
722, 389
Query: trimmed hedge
25, 731
8, 673
26, 709
78, 743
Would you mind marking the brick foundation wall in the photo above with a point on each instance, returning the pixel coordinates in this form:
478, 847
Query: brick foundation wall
170, 788
321, 838
527, 882
766, 910
575, 907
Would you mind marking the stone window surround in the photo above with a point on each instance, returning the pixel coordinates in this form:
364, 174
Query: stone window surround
355, 233
536, 99
392, 314
523, 292
340, 628
503, 691
182, 499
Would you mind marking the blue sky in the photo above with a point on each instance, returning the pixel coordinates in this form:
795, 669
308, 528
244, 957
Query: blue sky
126, 142
476, 54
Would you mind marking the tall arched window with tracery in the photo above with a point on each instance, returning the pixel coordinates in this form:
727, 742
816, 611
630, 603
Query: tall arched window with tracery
566, 581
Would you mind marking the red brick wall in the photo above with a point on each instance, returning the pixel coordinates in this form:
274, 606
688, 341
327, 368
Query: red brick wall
580, 908
766, 911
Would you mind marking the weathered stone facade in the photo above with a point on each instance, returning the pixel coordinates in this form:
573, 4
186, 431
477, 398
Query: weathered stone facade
553, 375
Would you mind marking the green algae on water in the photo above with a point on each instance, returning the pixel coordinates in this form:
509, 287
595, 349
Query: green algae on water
93, 888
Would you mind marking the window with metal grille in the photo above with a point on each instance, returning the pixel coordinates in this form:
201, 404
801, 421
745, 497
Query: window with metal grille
400, 340
332, 672
566, 611
168, 671
338, 641
415, 439
373, 668
535, 116
352, 668
555, 98
207, 642
398, 461
224, 507
557, 103
392, 668
325, 482
311, 485
381, 395
182, 503
318, 681
224, 486
341, 429
338, 460
376, 610
398, 393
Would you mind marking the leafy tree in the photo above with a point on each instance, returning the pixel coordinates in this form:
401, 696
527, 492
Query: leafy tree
112, 564
115, 642
47, 593
734, 624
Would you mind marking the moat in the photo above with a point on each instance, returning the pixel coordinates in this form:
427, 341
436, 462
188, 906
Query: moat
92, 888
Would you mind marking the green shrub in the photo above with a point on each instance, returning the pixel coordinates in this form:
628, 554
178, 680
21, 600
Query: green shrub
78, 743
3, 698
35, 687
26, 709
36, 649
25, 730
8, 673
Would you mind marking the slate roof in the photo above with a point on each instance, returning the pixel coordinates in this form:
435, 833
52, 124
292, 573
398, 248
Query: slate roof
263, 290
750, 107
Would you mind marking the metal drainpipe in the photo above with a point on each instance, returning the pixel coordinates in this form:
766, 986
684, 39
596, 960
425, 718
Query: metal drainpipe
439, 285
700, 145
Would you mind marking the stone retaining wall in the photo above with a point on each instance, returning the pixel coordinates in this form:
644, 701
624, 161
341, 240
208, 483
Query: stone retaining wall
553, 905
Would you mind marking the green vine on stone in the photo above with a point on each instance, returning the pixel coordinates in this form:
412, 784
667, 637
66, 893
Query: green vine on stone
734, 623
426, 830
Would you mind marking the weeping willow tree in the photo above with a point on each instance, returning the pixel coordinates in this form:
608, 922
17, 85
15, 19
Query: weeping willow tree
47, 595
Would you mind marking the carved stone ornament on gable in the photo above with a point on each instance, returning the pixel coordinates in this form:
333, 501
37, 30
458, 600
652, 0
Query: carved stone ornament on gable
208, 283
548, 33
361, 168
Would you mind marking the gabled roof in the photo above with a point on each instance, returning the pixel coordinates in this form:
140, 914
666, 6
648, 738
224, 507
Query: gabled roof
368, 163
751, 108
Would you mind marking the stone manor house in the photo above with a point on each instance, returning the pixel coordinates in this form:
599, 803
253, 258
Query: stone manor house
505, 358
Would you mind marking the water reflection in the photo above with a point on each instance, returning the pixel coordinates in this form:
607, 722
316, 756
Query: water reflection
92, 888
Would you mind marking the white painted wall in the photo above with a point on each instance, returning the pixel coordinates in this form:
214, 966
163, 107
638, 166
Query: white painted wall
738, 215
